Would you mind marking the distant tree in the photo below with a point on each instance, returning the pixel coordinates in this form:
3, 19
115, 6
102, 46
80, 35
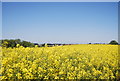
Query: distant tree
17, 41
36, 44
13, 42
0, 42
4, 43
27, 44
113, 42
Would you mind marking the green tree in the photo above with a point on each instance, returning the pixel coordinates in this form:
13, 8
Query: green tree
4, 44
14, 42
114, 42
27, 44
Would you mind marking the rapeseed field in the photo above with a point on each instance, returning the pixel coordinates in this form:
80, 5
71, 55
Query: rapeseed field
84, 61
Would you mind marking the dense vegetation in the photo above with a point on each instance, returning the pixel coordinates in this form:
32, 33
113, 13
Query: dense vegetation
13, 42
113, 42
60, 62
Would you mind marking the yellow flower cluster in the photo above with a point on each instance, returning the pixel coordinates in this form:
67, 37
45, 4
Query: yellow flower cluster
60, 62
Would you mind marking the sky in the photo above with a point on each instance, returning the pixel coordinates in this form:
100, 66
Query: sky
59, 0
119, 23
60, 22
0, 20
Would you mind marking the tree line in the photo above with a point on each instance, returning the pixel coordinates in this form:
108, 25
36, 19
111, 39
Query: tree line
13, 42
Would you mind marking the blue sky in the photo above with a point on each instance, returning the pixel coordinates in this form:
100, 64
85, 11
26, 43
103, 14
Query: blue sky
62, 22
60, 0
0, 20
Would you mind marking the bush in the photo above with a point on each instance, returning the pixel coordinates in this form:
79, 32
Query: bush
113, 42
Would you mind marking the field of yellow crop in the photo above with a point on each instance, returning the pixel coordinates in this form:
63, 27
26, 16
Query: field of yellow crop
60, 62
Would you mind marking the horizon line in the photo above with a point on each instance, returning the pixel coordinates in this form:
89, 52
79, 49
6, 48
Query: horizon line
60, 42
